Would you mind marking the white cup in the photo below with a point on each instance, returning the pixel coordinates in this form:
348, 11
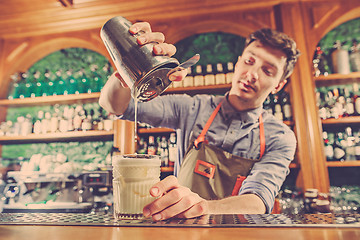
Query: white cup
133, 176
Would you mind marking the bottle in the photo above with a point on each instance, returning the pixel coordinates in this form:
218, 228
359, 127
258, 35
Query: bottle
100, 123
188, 80
339, 149
39, 81
69, 117
22, 86
142, 146
26, 126
277, 108
340, 58
199, 77
320, 63
95, 79
230, 72
349, 109
45, 123
16, 131
54, 121
158, 145
320, 103
220, 75
328, 99
29, 85
77, 121
49, 86
106, 73
328, 146
60, 86
37, 125
350, 145
357, 145
316, 62
355, 56
333, 103
71, 83
151, 149
86, 124
173, 153
311, 196
84, 82
63, 120
14, 86
164, 154
268, 104
286, 107
209, 78
340, 102
356, 99
109, 122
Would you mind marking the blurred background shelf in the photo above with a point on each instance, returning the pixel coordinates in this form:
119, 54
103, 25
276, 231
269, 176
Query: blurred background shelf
80, 136
343, 164
51, 100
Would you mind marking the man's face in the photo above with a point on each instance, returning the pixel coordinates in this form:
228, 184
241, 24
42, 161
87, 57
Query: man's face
257, 73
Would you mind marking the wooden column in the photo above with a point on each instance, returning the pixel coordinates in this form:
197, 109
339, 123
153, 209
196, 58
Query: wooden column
314, 172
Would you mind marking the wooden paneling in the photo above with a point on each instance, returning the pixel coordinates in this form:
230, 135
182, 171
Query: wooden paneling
319, 17
21, 53
20, 18
304, 108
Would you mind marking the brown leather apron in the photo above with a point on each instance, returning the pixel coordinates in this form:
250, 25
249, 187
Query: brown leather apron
212, 172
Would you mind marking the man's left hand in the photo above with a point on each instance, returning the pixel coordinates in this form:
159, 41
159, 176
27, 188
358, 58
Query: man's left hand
174, 201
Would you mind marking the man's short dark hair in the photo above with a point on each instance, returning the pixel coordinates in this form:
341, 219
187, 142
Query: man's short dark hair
280, 41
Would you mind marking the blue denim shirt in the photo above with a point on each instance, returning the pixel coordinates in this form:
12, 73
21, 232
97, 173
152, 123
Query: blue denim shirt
233, 131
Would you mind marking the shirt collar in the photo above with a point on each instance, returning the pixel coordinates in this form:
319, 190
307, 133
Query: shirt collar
247, 116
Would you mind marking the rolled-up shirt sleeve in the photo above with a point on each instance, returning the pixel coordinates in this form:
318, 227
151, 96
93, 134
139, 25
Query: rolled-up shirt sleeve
268, 175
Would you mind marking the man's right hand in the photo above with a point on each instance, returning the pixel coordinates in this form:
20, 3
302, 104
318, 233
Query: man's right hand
160, 47
115, 95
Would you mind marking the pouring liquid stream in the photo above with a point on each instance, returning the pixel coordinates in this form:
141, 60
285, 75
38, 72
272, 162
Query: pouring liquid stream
136, 123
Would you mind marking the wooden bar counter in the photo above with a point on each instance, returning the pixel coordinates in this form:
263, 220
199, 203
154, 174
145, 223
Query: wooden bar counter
64, 226
168, 233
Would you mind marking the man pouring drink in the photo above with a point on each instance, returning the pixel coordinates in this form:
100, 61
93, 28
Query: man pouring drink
235, 155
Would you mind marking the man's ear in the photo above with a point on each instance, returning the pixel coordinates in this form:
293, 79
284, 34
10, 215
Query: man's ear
279, 86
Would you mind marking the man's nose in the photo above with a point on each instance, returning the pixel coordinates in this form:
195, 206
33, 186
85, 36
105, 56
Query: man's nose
252, 75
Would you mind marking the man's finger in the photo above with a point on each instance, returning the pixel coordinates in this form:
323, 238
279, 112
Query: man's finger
154, 37
164, 49
163, 207
140, 26
184, 205
178, 75
196, 210
163, 186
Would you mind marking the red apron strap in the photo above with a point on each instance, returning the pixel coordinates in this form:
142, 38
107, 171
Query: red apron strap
240, 179
238, 183
262, 136
201, 137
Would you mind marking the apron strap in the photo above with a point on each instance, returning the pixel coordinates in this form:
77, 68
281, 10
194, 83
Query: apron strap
262, 136
240, 179
201, 137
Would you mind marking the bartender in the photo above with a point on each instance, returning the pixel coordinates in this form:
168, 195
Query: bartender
236, 156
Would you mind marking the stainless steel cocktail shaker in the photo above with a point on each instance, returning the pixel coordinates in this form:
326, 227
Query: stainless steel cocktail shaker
144, 73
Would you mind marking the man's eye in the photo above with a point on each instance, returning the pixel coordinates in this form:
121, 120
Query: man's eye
268, 72
248, 61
